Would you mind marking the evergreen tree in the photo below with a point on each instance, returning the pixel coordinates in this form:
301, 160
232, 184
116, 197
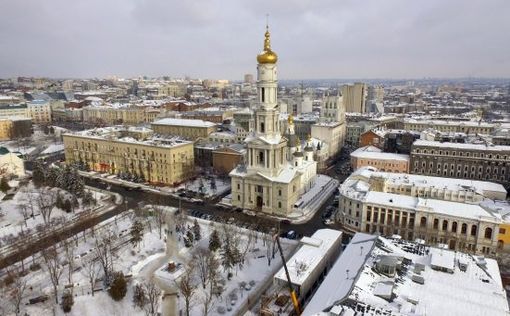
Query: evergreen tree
188, 239
59, 202
136, 232
67, 206
118, 288
67, 301
213, 184
196, 231
4, 185
38, 174
214, 241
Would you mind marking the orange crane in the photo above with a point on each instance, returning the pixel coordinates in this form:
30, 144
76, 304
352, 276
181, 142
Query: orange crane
293, 295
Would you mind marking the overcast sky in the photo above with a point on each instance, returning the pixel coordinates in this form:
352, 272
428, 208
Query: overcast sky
221, 38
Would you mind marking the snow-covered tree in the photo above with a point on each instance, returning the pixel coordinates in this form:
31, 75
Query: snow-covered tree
214, 241
136, 232
53, 267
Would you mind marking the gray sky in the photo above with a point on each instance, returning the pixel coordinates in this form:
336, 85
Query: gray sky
221, 38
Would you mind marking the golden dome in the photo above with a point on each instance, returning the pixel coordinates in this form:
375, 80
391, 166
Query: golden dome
267, 56
290, 119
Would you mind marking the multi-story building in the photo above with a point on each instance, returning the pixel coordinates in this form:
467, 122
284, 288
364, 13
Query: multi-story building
131, 150
277, 172
331, 127
11, 110
465, 161
354, 97
15, 127
119, 114
354, 131
39, 111
190, 129
467, 127
437, 210
370, 156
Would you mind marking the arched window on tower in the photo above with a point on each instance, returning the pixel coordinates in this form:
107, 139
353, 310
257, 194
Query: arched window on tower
263, 94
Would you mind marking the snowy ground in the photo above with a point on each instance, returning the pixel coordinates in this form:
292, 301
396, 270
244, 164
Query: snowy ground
256, 272
203, 186
38, 142
12, 221
101, 303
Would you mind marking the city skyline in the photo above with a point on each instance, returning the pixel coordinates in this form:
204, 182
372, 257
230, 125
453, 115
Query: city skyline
315, 40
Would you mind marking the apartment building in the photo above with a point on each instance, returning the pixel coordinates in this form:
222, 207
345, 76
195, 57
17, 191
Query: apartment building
134, 151
190, 129
467, 127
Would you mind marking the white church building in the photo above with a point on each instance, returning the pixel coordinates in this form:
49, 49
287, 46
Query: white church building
278, 170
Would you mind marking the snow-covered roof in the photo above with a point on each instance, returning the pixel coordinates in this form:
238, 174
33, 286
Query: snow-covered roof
308, 258
448, 123
368, 152
476, 291
342, 275
481, 147
184, 122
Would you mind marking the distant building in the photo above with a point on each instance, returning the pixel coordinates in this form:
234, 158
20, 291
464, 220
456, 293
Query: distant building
467, 127
465, 161
354, 97
190, 129
10, 110
248, 78
374, 137
15, 127
132, 151
354, 130
39, 111
370, 156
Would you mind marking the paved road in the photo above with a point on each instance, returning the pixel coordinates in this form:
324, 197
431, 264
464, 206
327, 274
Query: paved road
135, 197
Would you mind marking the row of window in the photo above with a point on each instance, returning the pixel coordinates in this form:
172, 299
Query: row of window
460, 153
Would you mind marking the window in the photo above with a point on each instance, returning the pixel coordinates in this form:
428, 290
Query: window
436, 223
423, 221
463, 229
279, 192
238, 197
473, 230
454, 227
279, 204
262, 127
445, 225
488, 233
502, 231
239, 186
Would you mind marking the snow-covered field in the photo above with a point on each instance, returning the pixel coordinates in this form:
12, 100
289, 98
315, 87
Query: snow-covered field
27, 200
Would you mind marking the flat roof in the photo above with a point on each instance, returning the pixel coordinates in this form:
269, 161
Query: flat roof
308, 257
481, 147
343, 274
184, 122
367, 152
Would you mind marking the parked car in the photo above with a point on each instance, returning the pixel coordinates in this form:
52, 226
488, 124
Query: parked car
291, 235
285, 221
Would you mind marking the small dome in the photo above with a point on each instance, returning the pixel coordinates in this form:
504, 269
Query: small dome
308, 148
298, 154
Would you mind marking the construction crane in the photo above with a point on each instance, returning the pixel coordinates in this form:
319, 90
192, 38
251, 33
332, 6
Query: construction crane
293, 295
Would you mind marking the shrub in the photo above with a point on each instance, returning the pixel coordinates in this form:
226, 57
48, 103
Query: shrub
118, 288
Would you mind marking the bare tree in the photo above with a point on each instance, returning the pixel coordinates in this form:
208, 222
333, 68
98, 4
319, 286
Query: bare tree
152, 298
268, 243
17, 291
159, 218
55, 270
187, 287
46, 201
69, 255
213, 266
104, 251
201, 259
246, 248
24, 211
90, 269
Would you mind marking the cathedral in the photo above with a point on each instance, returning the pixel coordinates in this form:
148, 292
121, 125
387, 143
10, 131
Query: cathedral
278, 168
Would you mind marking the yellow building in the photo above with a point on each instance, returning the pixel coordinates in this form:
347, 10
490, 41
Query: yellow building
131, 150
15, 127
119, 115
190, 129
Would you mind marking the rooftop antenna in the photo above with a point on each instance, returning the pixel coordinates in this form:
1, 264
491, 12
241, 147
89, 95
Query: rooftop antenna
267, 21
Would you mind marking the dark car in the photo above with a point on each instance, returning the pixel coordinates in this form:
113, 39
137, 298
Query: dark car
285, 221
